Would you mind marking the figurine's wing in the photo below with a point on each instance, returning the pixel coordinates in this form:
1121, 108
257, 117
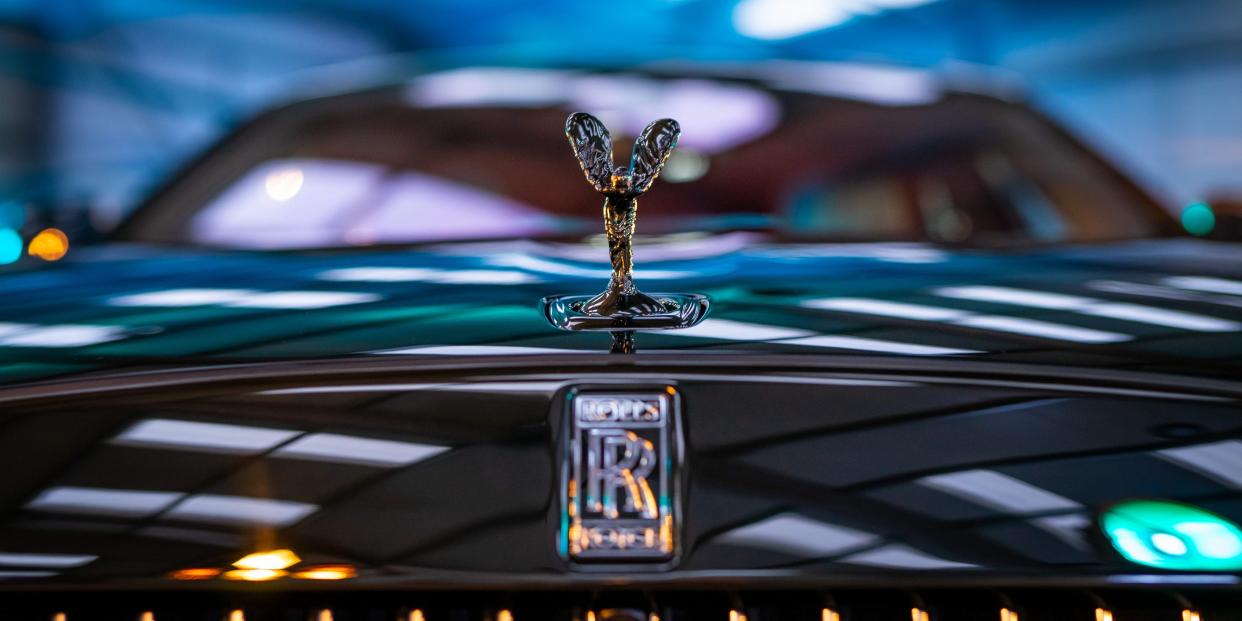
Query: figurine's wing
593, 146
650, 151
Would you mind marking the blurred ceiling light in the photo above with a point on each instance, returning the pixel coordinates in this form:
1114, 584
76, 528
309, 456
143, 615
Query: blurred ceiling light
1008, 615
998, 491
797, 535
416, 615
45, 560
60, 616
64, 335
684, 166
887, 309
918, 614
195, 573
324, 615
856, 343
380, 274
1042, 329
484, 277
146, 615
1221, 461
1162, 317
327, 572
167, 433
829, 614
14, 574
1092, 306
422, 274
782, 19
182, 297
1205, 283
898, 556
1070, 528
304, 299
333, 447
474, 86
217, 509
716, 115
254, 575
101, 501
244, 298
996, 323
269, 559
283, 184
236, 615
10, 246
1021, 297
728, 329
49, 245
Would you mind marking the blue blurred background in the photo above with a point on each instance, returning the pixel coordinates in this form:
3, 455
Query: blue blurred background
104, 99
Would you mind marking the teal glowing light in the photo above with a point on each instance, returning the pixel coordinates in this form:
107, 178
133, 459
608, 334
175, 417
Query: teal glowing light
10, 246
1198, 219
1172, 535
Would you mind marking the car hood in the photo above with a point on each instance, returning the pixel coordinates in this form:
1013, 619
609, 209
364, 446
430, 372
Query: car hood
1161, 305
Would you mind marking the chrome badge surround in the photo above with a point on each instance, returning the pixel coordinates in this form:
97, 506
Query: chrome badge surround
619, 485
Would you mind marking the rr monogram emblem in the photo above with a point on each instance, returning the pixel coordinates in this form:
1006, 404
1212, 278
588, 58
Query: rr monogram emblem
619, 460
618, 485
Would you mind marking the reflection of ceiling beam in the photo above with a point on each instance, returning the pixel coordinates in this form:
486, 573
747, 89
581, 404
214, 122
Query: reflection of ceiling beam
852, 508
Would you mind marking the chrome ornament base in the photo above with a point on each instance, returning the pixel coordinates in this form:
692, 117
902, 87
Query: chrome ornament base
659, 311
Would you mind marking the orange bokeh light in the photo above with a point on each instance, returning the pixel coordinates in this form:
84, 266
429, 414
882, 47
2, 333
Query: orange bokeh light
326, 572
255, 575
270, 559
49, 245
195, 573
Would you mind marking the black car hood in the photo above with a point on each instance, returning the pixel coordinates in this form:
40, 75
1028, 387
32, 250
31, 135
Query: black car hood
1169, 306
848, 419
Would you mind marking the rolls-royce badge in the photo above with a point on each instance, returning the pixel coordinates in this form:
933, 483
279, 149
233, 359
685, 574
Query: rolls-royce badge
619, 488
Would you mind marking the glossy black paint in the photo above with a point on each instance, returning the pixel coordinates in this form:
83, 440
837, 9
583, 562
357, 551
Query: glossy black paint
846, 448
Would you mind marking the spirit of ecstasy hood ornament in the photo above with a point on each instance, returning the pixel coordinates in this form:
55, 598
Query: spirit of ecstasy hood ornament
621, 187
621, 307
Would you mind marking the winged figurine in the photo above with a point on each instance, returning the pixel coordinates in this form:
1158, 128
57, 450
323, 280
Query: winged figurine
621, 187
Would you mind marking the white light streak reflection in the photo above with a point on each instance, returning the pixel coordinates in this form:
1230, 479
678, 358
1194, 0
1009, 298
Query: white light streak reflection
338, 448
1137, 313
897, 556
952, 316
59, 561
998, 491
218, 509
103, 501
798, 535
169, 433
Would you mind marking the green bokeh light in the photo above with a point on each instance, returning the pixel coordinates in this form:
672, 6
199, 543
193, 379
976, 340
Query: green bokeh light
1172, 535
1198, 219
10, 246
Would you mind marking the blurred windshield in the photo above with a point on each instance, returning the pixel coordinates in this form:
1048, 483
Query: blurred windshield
480, 154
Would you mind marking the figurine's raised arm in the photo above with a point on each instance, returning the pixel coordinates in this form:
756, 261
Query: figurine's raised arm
592, 146
651, 150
